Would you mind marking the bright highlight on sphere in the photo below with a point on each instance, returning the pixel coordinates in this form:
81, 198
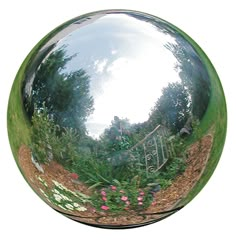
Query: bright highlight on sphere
117, 119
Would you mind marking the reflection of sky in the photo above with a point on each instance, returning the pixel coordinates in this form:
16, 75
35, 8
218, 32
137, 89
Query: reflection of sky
128, 66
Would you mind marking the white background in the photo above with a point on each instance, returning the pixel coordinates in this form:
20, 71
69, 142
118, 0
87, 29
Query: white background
211, 215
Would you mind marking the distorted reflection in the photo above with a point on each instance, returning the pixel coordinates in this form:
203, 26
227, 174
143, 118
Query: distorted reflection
123, 57
113, 79
118, 117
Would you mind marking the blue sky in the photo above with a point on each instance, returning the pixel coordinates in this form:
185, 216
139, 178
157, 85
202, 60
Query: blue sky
127, 63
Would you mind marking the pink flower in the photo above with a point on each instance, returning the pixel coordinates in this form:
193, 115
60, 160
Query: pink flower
140, 203
154, 203
124, 198
113, 188
104, 198
103, 193
127, 202
142, 193
122, 191
74, 176
140, 198
103, 207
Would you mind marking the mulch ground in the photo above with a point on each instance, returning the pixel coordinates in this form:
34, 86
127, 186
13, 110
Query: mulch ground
165, 200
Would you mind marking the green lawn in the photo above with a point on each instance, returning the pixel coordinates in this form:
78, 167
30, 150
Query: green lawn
216, 114
18, 127
216, 117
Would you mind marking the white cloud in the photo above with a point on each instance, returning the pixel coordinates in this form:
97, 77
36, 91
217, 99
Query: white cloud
132, 83
99, 65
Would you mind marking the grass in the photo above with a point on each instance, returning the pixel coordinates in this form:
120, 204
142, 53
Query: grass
18, 128
216, 114
17, 124
216, 117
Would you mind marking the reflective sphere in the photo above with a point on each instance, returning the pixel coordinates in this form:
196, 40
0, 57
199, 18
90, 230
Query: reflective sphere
117, 119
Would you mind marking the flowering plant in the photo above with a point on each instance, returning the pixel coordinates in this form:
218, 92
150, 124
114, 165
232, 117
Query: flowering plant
74, 176
122, 197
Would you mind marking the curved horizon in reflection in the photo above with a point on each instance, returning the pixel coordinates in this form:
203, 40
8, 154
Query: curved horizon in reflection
128, 60
115, 114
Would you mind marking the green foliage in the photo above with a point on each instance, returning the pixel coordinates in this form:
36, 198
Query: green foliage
43, 133
92, 172
164, 183
197, 132
65, 147
98, 172
193, 73
179, 145
122, 197
49, 141
117, 137
172, 169
172, 108
66, 96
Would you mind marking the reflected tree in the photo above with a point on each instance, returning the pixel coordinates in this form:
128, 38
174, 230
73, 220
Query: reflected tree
65, 95
117, 137
193, 74
172, 109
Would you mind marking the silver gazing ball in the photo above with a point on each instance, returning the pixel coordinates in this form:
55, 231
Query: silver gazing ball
117, 119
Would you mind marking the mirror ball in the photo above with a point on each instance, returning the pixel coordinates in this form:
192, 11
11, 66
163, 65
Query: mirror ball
117, 119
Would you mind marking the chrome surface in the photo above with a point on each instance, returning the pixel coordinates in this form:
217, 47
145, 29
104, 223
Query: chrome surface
125, 89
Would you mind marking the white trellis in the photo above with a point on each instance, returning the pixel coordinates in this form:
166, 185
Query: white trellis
154, 150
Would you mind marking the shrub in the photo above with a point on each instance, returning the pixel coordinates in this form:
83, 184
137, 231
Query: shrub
49, 140
175, 167
91, 171
65, 148
122, 197
43, 134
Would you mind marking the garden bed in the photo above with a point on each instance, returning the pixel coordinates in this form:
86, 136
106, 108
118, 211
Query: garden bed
164, 200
